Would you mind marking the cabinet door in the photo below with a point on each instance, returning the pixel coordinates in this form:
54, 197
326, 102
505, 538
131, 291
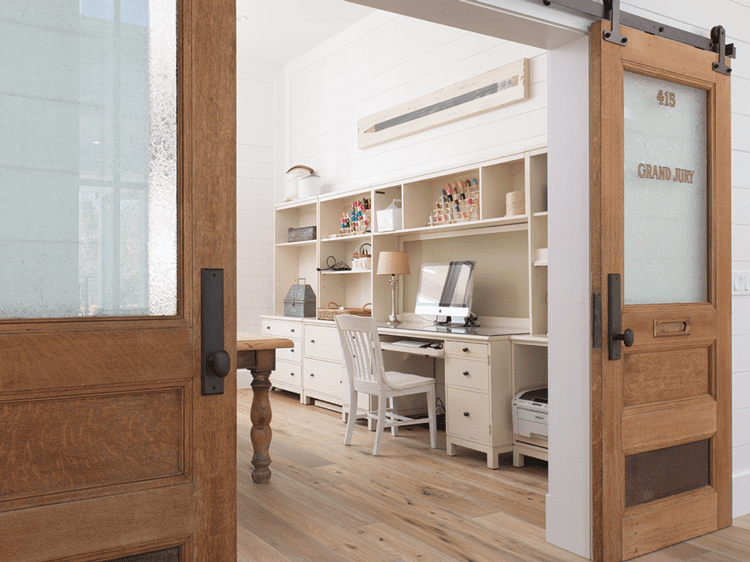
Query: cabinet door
323, 377
322, 342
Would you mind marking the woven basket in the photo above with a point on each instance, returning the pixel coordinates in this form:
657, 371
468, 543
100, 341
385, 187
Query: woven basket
332, 309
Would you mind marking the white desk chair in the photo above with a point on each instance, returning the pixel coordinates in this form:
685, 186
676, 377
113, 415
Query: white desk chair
364, 363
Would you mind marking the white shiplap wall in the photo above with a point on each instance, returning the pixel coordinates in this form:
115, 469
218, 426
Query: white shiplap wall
385, 60
259, 154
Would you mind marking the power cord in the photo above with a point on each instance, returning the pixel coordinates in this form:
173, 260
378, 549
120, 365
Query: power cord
335, 266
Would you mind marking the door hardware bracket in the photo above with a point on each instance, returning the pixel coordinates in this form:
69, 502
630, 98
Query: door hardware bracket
719, 41
612, 7
610, 10
596, 335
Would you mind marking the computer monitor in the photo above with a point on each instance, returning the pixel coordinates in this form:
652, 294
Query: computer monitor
445, 289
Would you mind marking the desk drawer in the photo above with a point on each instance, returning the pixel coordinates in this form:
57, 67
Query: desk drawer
467, 373
288, 374
467, 415
478, 351
293, 354
323, 342
284, 328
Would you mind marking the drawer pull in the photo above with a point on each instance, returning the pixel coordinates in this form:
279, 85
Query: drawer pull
292, 350
292, 330
465, 350
268, 327
466, 414
291, 374
466, 373
312, 341
539, 417
312, 374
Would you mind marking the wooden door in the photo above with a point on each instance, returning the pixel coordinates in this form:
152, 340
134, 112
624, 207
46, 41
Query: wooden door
108, 449
660, 211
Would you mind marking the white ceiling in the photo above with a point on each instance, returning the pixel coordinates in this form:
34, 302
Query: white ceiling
278, 31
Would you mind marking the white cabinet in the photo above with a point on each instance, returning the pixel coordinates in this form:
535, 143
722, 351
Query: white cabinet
288, 372
478, 398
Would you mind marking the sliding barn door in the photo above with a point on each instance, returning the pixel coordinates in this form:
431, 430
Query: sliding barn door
117, 186
661, 251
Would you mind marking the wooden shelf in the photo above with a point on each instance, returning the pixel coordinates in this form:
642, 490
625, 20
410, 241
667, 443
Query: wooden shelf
501, 221
346, 238
540, 214
540, 263
300, 243
297, 203
345, 272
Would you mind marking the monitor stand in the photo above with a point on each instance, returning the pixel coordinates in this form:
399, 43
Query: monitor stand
467, 322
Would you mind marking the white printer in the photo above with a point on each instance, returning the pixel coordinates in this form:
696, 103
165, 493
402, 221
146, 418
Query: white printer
530, 413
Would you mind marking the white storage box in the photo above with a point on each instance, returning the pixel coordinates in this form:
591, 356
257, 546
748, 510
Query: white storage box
309, 186
390, 218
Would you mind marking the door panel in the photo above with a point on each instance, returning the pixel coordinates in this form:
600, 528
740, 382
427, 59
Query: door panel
108, 448
660, 210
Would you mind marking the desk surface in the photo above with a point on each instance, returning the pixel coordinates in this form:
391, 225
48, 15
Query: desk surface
427, 329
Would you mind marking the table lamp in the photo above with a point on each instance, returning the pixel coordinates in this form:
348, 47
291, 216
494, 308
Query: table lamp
393, 263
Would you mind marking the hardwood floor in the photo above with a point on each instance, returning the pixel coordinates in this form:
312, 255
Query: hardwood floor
327, 502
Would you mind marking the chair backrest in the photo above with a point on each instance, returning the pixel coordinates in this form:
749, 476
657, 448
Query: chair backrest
362, 353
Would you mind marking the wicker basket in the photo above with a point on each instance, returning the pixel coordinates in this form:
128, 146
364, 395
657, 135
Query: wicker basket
332, 309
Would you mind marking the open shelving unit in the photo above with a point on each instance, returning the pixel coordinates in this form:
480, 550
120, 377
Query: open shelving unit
510, 283
503, 245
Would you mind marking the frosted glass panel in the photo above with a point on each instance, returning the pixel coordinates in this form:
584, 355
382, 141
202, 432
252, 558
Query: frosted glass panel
665, 201
88, 158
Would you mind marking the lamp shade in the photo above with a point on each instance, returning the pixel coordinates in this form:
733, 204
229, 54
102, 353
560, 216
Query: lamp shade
393, 263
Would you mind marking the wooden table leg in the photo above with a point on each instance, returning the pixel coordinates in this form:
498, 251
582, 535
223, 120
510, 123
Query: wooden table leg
260, 434
260, 415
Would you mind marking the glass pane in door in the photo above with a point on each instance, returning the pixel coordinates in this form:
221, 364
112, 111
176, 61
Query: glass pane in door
88, 158
665, 192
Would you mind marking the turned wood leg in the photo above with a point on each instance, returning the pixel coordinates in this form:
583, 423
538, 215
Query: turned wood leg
260, 434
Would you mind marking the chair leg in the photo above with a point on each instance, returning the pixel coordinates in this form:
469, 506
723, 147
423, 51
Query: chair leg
381, 423
352, 417
394, 428
431, 416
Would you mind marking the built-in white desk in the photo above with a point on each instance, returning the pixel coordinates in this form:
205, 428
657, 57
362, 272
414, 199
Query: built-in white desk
473, 368
477, 379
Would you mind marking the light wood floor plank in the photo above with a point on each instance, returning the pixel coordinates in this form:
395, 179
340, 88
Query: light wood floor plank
331, 503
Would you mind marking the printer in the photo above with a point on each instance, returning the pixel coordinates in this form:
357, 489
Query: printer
530, 413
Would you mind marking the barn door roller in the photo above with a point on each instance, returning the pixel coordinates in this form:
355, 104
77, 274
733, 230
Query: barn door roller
610, 11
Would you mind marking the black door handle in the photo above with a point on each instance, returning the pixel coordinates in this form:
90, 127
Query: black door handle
616, 336
626, 337
215, 361
220, 362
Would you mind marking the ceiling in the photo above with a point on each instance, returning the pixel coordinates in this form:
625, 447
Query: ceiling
278, 31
